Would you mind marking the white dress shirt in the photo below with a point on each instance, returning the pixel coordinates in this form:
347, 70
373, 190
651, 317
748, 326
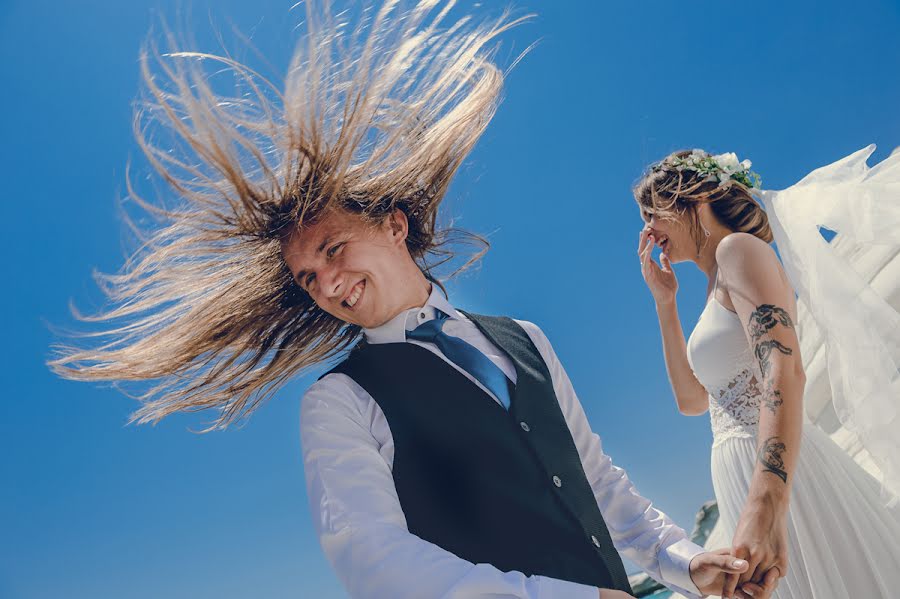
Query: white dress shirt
348, 454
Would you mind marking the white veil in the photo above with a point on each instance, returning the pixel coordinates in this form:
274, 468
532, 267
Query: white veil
860, 330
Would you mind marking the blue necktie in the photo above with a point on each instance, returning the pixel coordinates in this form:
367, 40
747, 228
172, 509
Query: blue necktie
464, 355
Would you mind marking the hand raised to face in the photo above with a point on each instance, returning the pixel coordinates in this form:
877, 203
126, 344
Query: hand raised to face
660, 278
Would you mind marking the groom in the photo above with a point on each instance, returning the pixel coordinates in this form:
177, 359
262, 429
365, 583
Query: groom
448, 455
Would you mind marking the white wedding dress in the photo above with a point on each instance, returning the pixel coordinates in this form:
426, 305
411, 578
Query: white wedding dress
843, 542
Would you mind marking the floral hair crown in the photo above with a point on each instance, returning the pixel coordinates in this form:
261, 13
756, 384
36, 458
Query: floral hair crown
724, 167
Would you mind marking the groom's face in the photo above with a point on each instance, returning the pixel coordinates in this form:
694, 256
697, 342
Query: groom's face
350, 268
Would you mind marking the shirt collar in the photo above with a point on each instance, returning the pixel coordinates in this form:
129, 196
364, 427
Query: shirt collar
394, 330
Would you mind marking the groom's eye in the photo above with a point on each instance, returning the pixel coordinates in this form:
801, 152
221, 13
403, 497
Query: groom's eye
333, 249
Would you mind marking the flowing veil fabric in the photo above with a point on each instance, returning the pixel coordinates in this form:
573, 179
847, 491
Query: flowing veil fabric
859, 329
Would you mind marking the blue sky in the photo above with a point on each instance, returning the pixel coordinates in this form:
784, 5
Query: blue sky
92, 508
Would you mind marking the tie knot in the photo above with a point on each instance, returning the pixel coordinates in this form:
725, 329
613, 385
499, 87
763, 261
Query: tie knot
427, 331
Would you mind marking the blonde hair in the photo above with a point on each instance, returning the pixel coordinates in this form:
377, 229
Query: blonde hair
669, 193
371, 118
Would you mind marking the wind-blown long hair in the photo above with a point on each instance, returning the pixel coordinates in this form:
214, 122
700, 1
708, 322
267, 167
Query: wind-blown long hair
374, 115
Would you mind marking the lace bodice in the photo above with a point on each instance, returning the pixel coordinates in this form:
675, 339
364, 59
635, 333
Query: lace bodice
723, 363
734, 409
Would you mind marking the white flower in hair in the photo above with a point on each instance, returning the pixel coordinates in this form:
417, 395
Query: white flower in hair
723, 168
728, 162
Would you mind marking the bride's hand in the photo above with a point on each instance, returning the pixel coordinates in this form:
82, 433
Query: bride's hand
660, 278
761, 539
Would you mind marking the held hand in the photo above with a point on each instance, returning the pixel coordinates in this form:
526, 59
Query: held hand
613, 594
708, 570
660, 279
760, 590
761, 539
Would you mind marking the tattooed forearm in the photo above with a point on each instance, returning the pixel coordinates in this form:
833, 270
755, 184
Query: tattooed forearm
771, 397
770, 457
765, 318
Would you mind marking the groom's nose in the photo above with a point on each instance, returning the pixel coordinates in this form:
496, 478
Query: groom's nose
330, 282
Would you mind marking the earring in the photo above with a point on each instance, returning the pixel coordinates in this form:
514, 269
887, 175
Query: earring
705, 239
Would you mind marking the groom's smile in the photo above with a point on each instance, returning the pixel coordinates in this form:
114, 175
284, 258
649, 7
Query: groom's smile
355, 295
355, 270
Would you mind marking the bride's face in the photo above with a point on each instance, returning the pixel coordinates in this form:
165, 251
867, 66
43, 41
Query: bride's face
672, 235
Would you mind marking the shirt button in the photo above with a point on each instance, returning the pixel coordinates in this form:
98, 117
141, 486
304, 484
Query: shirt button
421, 316
525, 426
557, 481
595, 541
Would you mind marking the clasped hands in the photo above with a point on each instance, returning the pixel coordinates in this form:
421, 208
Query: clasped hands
760, 544
721, 573
750, 569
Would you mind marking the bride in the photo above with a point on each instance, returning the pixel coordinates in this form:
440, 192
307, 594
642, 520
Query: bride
792, 502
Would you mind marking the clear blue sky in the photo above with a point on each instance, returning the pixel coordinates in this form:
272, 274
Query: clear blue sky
91, 508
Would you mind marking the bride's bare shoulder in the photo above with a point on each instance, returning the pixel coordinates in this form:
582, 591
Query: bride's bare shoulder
738, 247
750, 266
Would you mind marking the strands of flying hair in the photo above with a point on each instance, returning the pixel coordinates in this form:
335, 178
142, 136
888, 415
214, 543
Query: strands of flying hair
375, 113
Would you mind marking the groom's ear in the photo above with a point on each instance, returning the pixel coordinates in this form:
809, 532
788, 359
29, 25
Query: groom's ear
398, 225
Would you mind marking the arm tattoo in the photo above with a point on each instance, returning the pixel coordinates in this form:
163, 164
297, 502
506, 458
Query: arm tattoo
770, 457
765, 318
772, 397
763, 352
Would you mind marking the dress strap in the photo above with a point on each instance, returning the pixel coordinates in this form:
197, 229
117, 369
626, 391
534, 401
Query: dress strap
712, 294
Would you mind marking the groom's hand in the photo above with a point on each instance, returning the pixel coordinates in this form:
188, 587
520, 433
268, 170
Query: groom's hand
708, 570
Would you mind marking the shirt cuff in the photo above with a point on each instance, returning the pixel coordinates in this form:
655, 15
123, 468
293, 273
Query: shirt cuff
554, 588
675, 565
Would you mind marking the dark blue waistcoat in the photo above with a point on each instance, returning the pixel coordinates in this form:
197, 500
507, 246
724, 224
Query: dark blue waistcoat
490, 485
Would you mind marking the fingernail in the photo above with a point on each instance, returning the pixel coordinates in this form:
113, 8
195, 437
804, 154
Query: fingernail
738, 563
